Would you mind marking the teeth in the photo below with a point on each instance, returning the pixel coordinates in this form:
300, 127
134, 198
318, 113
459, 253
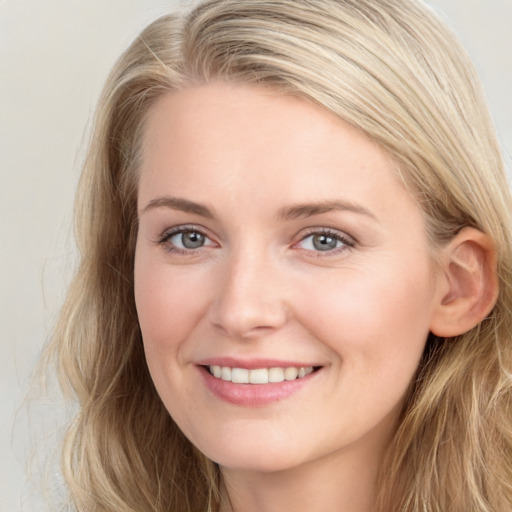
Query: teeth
291, 373
239, 376
225, 373
258, 375
275, 375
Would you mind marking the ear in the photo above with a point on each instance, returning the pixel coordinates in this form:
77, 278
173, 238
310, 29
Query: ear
468, 283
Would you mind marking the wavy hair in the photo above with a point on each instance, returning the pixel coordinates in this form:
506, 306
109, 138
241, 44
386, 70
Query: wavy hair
394, 71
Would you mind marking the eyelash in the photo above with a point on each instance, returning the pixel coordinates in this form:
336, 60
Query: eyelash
346, 241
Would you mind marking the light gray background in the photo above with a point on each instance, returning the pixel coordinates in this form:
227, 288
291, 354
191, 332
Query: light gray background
54, 57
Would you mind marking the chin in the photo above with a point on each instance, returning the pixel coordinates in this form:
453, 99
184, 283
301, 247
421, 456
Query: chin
253, 455
266, 457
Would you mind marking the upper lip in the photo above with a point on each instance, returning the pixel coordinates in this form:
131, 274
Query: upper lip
251, 364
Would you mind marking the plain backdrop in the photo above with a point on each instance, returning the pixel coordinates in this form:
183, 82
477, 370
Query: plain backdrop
54, 57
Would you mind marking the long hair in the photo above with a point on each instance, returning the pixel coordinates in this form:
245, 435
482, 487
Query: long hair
389, 68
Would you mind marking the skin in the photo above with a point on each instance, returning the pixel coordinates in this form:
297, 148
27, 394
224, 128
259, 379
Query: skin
259, 288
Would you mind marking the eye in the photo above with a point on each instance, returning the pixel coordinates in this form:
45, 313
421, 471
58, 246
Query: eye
188, 240
184, 239
325, 241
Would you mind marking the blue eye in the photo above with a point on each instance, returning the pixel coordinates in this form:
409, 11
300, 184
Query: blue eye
188, 240
184, 239
324, 242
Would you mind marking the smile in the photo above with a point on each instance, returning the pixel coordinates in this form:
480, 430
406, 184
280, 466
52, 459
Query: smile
259, 375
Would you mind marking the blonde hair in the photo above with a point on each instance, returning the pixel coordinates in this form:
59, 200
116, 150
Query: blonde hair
388, 67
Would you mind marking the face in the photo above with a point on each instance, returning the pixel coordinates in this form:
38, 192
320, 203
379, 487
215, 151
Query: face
282, 278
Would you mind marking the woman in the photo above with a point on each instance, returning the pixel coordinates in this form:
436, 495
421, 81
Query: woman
296, 269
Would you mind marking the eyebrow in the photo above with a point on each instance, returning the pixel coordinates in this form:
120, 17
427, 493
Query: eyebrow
311, 209
287, 213
176, 203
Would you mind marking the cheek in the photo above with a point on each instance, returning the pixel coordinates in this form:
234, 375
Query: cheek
168, 305
167, 312
372, 318
377, 333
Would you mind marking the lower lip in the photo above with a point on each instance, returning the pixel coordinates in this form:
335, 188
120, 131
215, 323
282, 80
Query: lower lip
253, 395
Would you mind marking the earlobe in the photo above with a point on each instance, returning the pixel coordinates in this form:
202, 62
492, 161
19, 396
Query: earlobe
469, 283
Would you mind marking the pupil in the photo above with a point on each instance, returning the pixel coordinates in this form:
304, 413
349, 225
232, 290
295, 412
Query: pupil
324, 242
192, 240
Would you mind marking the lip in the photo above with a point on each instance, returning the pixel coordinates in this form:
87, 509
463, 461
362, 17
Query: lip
253, 395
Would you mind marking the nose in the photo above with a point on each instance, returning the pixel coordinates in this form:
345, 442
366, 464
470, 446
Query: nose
250, 299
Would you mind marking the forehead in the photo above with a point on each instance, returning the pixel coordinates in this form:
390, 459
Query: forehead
253, 142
